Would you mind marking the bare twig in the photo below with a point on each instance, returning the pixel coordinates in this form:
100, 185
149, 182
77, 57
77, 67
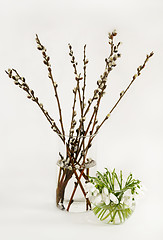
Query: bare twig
21, 82
55, 85
77, 177
85, 61
98, 93
139, 69
76, 89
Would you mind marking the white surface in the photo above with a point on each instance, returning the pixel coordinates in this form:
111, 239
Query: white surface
130, 140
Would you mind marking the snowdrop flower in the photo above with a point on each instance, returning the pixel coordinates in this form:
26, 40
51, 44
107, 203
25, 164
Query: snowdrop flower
127, 198
96, 199
127, 192
93, 194
92, 191
89, 187
96, 192
113, 198
105, 196
105, 191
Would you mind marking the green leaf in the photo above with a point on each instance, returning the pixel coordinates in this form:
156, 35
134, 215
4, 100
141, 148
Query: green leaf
103, 179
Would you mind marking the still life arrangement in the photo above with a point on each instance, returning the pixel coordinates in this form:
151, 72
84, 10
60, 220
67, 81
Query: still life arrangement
99, 193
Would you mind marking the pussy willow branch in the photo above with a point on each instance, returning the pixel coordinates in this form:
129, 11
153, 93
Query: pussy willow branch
21, 82
73, 122
55, 85
76, 89
81, 144
76, 175
66, 175
85, 61
82, 102
81, 98
139, 69
110, 63
77, 76
114, 48
73, 193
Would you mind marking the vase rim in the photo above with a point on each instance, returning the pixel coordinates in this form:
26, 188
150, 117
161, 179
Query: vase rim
86, 165
74, 136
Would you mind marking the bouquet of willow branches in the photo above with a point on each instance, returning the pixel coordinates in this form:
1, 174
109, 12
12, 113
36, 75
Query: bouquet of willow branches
81, 132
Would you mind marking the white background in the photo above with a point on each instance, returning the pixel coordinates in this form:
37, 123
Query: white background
131, 139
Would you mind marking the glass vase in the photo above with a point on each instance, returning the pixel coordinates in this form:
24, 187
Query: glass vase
76, 161
115, 213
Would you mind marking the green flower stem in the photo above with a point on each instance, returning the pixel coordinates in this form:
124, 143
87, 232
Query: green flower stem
119, 210
110, 180
96, 210
122, 211
108, 215
101, 213
113, 178
121, 179
113, 217
119, 214
103, 178
120, 186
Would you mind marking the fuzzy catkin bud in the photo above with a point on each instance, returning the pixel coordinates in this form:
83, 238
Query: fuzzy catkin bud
122, 93
39, 47
54, 128
74, 90
23, 79
135, 76
55, 84
16, 82
114, 32
110, 35
70, 168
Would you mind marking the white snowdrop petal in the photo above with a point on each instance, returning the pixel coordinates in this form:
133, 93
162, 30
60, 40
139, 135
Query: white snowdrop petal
127, 192
113, 198
127, 201
98, 199
88, 194
92, 199
90, 187
107, 200
96, 192
105, 191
